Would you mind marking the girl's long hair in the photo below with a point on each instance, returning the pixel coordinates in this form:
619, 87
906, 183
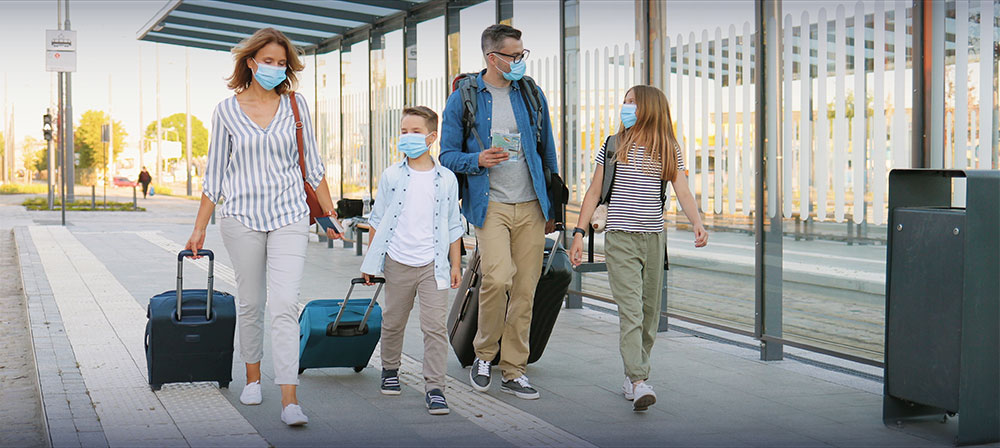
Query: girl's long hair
653, 130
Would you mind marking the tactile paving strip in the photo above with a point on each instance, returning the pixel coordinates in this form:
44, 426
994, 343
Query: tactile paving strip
105, 326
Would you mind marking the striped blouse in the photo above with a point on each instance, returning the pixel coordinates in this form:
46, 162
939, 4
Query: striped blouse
635, 196
257, 170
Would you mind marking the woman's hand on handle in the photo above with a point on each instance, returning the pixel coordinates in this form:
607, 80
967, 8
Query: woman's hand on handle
196, 242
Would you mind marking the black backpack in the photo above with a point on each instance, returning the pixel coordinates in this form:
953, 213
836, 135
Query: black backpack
467, 86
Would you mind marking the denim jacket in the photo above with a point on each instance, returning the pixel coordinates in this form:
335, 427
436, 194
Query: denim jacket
388, 206
461, 155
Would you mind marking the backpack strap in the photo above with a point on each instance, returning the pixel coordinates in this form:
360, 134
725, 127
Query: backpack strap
467, 91
610, 163
530, 93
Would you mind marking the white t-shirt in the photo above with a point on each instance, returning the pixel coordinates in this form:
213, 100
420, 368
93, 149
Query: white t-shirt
412, 243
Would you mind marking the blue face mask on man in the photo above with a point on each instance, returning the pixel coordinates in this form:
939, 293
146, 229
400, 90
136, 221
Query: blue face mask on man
628, 115
269, 76
516, 72
413, 145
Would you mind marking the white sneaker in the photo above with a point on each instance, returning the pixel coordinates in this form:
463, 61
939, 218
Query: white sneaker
644, 397
627, 389
251, 394
292, 415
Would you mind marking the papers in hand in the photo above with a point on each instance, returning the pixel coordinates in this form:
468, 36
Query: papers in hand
329, 223
508, 142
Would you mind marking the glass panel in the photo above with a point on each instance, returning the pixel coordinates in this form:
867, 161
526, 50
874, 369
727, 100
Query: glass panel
431, 89
534, 19
474, 20
356, 75
328, 117
387, 101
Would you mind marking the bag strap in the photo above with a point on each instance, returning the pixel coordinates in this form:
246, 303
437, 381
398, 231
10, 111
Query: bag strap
610, 164
467, 91
298, 133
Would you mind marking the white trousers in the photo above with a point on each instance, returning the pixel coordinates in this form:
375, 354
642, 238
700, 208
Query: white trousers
268, 269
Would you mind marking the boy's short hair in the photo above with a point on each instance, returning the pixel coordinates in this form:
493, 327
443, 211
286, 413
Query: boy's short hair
494, 35
429, 116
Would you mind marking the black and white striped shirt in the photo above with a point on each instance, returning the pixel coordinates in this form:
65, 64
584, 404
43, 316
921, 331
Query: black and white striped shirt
257, 170
635, 196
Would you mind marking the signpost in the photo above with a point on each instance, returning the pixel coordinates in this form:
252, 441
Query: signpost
60, 56
105, 138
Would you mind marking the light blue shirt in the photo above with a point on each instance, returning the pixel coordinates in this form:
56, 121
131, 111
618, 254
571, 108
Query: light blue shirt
257, 169
389, 205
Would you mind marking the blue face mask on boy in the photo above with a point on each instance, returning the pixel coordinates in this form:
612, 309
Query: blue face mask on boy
413, 145
269, 76
628, 115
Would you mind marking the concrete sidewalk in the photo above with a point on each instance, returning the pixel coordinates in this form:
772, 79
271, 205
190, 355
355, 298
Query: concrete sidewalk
87, 286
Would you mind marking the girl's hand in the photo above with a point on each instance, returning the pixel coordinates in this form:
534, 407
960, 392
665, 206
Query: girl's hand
700, 236
576, 251
196, 242
456, 277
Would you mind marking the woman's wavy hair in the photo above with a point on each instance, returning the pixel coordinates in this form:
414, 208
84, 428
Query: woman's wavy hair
242, 75
653, 130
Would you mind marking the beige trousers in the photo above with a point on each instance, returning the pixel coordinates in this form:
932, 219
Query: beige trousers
511, 246
402, 284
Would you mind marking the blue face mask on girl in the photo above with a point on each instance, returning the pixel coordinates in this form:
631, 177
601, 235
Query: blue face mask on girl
413, 145
269, 76
628, 115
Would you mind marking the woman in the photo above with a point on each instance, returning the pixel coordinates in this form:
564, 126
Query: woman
253, 164
646, 155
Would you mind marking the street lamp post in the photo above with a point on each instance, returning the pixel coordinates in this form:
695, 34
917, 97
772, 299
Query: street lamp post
187, 127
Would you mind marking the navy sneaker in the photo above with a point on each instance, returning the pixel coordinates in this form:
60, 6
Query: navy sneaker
390, 382
436, 403
519, 387
479, 375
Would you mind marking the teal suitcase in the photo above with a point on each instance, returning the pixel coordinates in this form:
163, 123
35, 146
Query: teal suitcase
332, 335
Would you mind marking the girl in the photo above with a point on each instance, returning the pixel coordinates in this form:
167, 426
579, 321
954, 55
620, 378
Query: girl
253, 162
646, 155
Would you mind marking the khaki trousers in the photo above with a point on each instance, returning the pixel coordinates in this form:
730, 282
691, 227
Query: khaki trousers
511, 247
635, 272
402, 284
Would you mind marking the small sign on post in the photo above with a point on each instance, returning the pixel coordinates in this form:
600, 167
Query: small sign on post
60, 50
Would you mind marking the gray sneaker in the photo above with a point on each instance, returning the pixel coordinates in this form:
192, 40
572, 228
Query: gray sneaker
479, 375
519, 387
436, 403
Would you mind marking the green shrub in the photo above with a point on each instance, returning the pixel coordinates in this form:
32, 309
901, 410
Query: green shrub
24, 189
81, 205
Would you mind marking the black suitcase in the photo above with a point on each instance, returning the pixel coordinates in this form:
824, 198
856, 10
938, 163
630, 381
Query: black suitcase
189, 334
557, 273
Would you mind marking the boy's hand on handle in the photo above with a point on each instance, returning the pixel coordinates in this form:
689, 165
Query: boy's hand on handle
576, 251
196, 242
368, 279
456, 277
700, 236
492, 157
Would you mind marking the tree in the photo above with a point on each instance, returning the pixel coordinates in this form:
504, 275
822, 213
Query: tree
3, 144
177, 123
31, 155
87, 139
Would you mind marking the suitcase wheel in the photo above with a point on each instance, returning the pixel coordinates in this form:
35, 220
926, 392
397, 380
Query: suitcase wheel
359, 368
223, 384
155, 387
301, 370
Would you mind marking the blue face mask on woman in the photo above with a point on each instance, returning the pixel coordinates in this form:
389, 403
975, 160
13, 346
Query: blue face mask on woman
269, 76
413, 145
628, 115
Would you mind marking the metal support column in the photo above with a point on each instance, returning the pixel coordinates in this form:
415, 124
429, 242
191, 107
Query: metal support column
453, 55
505, 12
409, 61
767, 213
934, 24
569, 55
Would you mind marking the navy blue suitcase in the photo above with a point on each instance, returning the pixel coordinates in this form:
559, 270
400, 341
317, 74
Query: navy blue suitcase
335, 335
189, 335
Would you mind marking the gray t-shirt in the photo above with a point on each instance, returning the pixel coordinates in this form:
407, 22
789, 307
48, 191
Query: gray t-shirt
510, 181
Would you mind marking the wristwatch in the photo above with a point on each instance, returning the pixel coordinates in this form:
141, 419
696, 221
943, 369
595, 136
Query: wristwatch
580, 231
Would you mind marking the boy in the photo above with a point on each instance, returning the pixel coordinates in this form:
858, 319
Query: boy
415, 238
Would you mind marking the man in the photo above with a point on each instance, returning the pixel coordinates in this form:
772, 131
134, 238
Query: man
145, 179
505, 198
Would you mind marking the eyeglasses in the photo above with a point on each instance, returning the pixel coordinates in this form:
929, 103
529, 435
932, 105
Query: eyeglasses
516, 57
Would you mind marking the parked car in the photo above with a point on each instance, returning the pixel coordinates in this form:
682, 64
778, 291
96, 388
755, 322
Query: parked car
122, 181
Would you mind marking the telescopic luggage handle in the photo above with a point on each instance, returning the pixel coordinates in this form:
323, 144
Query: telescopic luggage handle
548, 263
211, 279
343, 306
